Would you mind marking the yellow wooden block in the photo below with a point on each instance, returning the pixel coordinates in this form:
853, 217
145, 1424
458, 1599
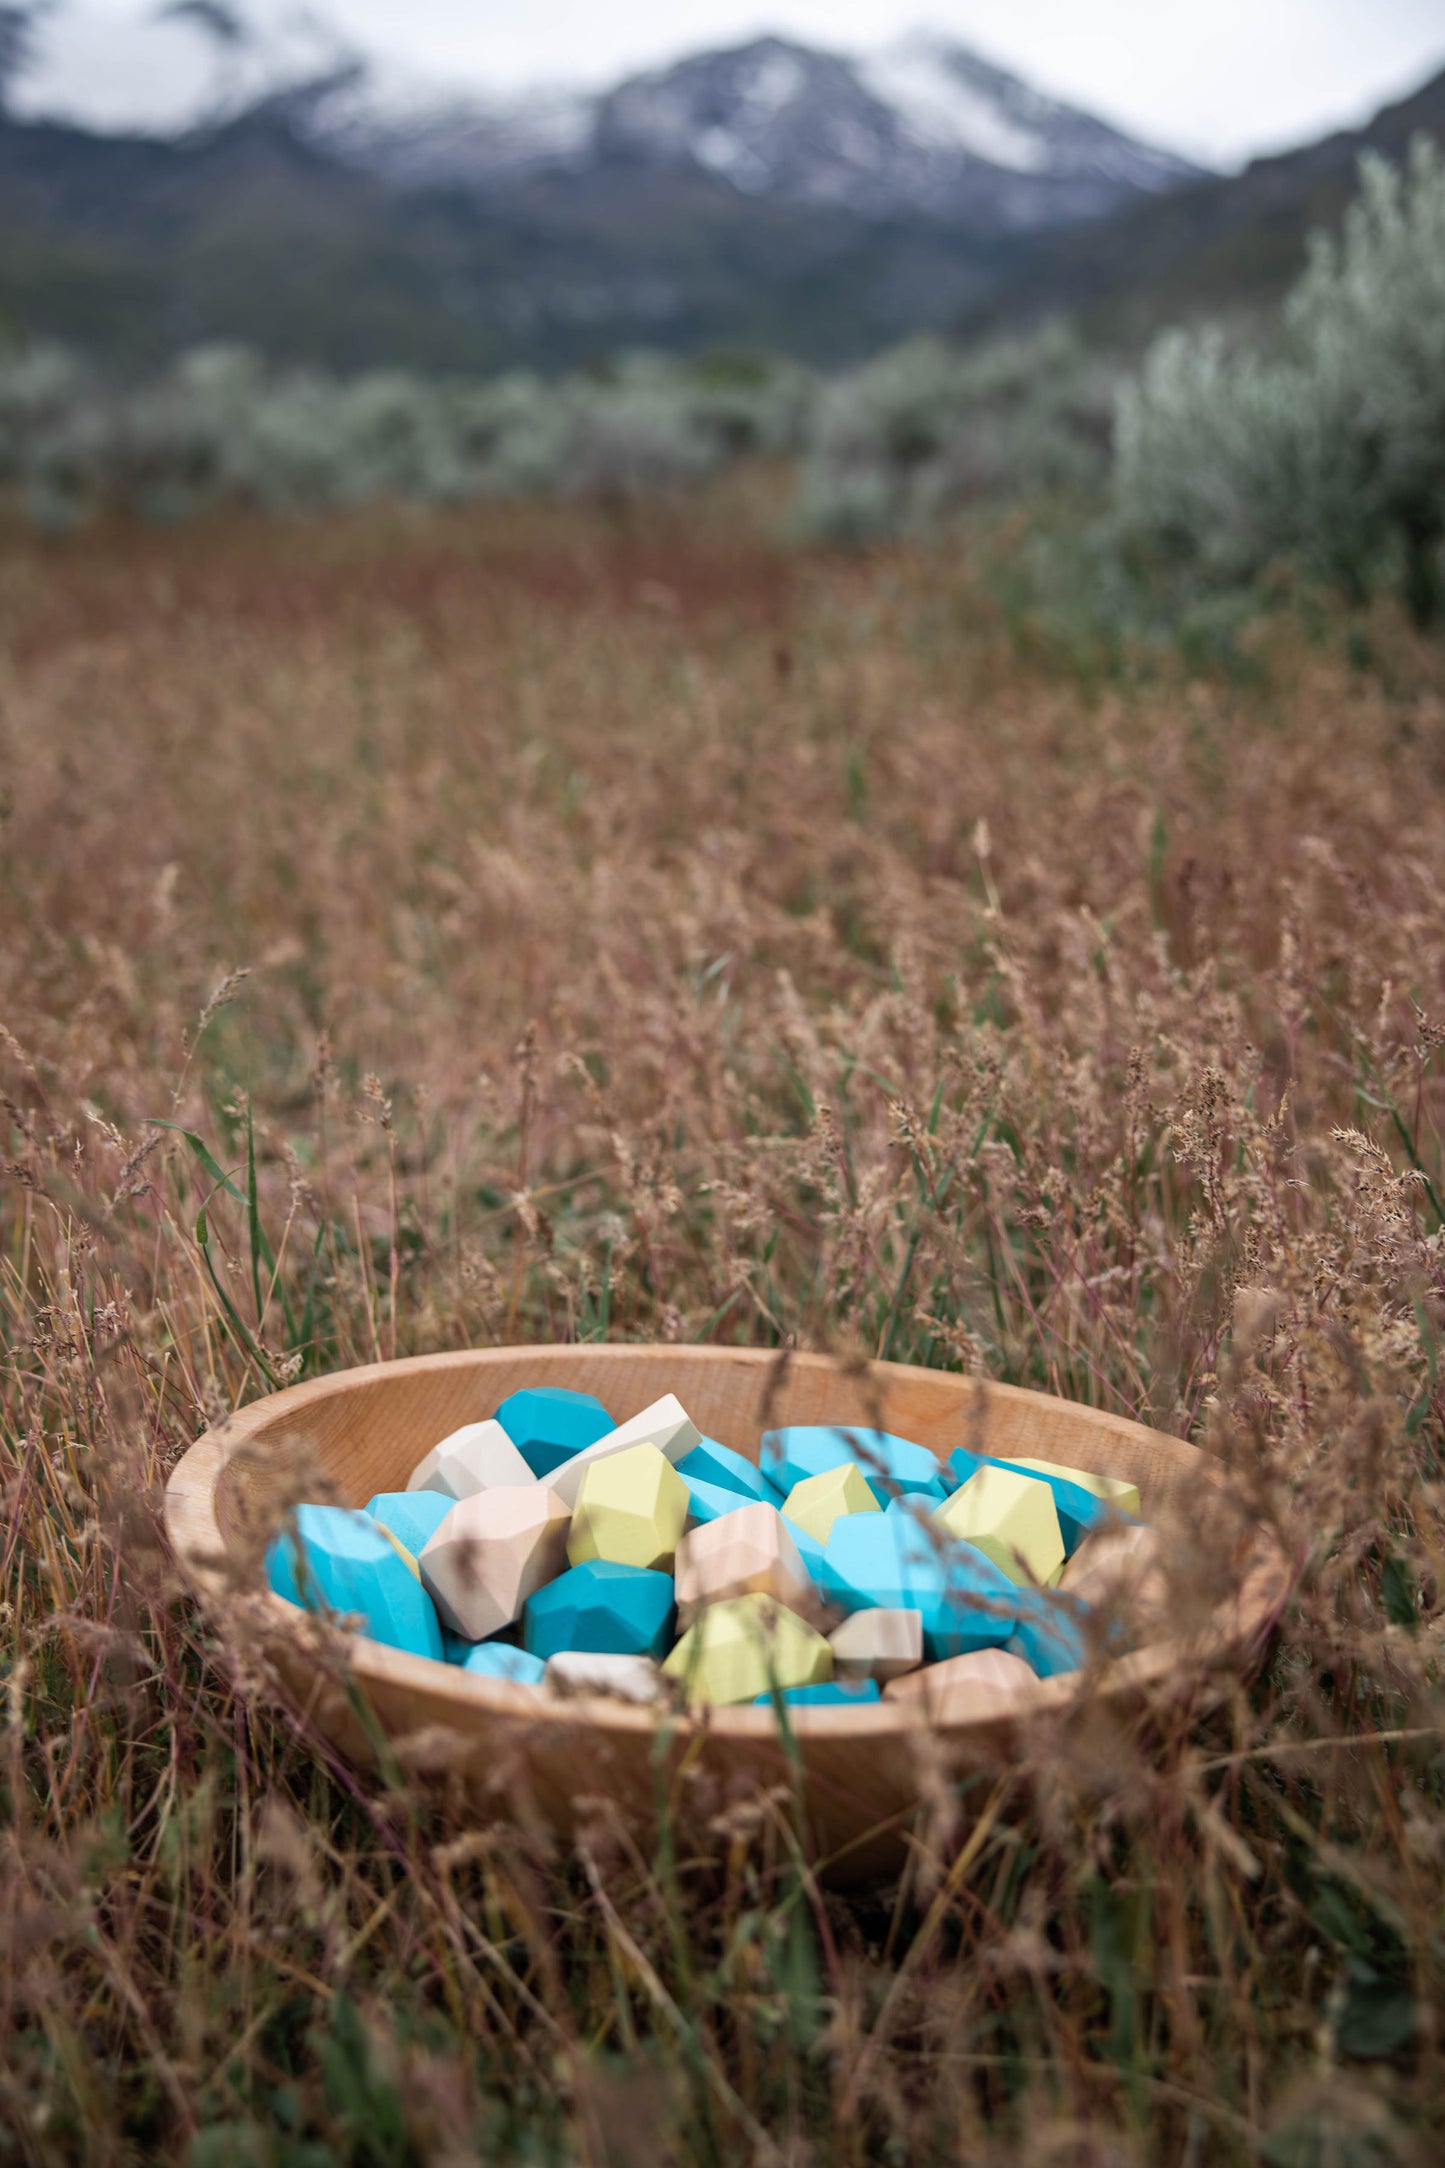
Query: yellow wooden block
631, 1508
1118, 1490
665, 1424
743, 1553
400, 1548
744, 1647
1011, 1518
819, 1500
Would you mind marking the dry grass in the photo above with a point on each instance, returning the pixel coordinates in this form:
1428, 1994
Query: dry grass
652, 936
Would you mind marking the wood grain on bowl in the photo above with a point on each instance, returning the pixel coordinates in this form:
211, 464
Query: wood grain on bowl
550, 1761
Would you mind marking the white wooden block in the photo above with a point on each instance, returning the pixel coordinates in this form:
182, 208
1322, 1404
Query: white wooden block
573, 1672
478, 1457
878, 1645
666, 1424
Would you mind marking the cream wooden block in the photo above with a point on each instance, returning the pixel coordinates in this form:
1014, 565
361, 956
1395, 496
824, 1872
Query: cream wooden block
577, 1672
478, 1457
877, 1645
965, 1686
749, 1552
665, 1424
1119, 1567
631, 1508
491, 1553
1118, 1490
746, 1646
1012, 1519
814, 1504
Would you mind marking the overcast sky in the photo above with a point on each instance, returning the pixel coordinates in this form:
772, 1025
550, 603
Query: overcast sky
1221, 77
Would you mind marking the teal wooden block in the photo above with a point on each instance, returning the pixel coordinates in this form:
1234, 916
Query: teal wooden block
842, 1693
334, 1559
548, 1424
499, 1660
604, 1607
1080, 1512
1050, 1633
413, 1516
710, 1501
720, 1466
890, 1465
890, 1562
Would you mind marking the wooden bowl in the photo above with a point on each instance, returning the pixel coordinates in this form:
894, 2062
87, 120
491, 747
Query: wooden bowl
541, 1760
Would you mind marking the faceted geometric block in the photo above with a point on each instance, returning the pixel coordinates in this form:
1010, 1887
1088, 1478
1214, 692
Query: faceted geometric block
492, 1550
814, 1504
499, 1660
1080, 1509
1050, 1633
720, 1465
413, 1517
1116, 1490
478, 1457
840, 1691
408, 1558
585, 1671
888, 1562
666, 1424
877, 1644
548, 1424
709, 1501
610, 1609
965, 1685
750, 1552
745, 1646
890, 1465
632, 1508
1011, 1518
1121, 1567
337, 1560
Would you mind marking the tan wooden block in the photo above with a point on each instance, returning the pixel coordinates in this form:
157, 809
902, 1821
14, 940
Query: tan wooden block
877, 1644
1121, 1568
964, 1686
478, 1457
631, 1508
492, 1552
1012, 1519
749, 1552
665, 1424
814, 1504
1116, 1489
577, 1672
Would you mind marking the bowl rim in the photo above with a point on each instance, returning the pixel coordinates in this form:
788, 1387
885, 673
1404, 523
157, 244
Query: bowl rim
1241, 1620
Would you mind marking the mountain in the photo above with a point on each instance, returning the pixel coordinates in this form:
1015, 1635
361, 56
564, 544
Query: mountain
1219, 247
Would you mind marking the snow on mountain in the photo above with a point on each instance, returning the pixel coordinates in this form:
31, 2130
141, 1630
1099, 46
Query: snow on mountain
921, 127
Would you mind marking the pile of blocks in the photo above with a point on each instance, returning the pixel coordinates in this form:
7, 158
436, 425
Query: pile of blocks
562, 1553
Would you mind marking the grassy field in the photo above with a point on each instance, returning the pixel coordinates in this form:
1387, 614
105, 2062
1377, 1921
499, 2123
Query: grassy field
558, 925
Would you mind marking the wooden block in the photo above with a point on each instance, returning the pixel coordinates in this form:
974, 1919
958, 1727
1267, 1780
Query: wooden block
1012, 1519
332, 1559
478, 1457
726, 1470
836, 1693
892, 1562
631, 1507
877, 1644
965, 1686
750, 1552
1116, 1490
574, 1672
666, 1424
1120, 1568
603, 1607
548, 1424
891, 1466
413, 1517
1081, 1510
814, 1504
746, 1646
500, 1660
491, 1552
